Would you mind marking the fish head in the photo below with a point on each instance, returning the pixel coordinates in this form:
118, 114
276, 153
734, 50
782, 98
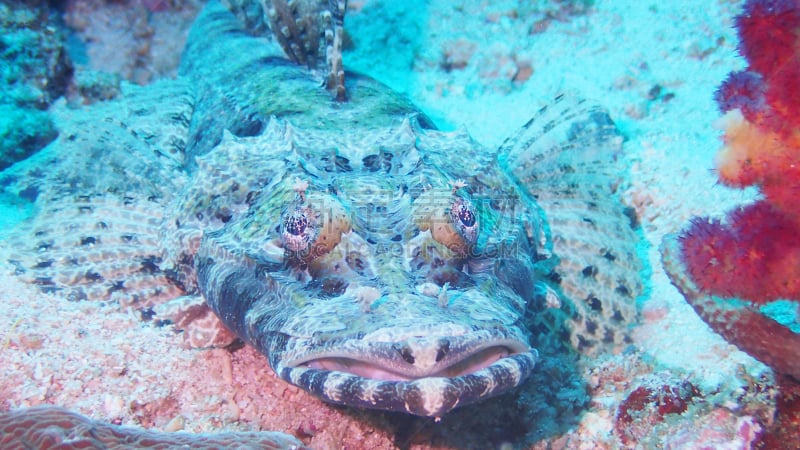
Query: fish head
376, 290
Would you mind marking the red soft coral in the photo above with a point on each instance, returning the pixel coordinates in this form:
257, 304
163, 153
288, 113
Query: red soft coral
768, 33
727, 268
762, 105
783, 95
743, 90
755, 255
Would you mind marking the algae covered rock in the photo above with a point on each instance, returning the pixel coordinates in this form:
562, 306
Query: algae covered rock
23, 131
35, 70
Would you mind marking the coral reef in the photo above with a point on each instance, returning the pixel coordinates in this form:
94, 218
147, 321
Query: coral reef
140, 41
35, 71
727, 269
647, 405
53, 427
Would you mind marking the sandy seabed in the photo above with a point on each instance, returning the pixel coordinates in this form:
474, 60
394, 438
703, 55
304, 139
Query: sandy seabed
487, 66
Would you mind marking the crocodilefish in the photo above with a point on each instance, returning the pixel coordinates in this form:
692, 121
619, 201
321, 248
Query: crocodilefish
268, 194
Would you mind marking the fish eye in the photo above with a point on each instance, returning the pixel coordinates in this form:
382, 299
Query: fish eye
464, 219
450, 217
297, 233
313, 227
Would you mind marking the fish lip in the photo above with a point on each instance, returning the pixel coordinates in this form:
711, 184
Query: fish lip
369, 369
380, 361
427, 396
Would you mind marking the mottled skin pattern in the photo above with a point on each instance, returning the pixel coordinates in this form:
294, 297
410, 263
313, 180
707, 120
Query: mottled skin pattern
375, 261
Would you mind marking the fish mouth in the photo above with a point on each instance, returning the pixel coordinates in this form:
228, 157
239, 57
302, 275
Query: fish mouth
376, 371
483, 373
413, 373
414, 359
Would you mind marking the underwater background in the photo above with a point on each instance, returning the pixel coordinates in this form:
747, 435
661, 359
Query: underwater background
486, 66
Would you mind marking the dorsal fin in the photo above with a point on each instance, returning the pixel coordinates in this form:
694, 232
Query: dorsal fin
309, 31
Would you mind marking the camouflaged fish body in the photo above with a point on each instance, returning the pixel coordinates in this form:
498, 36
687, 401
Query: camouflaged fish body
375, 261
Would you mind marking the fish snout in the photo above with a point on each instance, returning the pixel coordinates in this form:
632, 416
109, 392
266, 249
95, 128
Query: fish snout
423, 353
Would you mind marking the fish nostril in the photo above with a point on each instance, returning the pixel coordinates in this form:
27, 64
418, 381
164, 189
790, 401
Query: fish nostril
405, 352
444, 349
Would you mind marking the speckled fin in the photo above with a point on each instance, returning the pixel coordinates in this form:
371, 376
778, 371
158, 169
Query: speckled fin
133, 145
109, 249
565, 158
95, 248
101, 190
309, 31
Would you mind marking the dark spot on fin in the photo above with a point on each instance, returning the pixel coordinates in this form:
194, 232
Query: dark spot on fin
584, 344
44, 281
43, 264
591, 326
30, 193
92, 276
595, 303
630, 213
608, 337
147, 314
150, 264
116, 286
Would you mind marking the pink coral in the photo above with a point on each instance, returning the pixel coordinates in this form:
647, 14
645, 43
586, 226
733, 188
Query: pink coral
51, 427
646, 406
